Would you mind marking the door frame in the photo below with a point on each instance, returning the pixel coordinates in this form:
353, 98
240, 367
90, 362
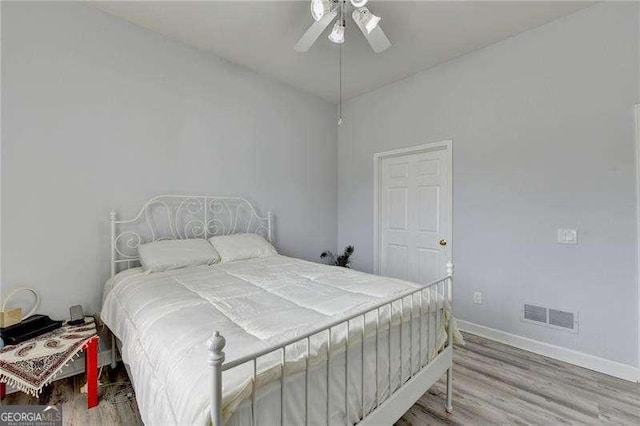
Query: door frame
377, 181
637, 146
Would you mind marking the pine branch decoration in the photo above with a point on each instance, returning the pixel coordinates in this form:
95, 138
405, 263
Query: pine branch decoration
343, 259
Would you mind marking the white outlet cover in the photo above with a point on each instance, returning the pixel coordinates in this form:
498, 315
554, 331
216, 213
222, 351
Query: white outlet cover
567, 236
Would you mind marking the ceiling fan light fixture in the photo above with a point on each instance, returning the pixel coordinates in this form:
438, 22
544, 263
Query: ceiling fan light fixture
359, 3
366, 19
319, 8
337, 33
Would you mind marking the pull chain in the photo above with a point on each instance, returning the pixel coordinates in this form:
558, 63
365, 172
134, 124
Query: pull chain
340, 104
340, 64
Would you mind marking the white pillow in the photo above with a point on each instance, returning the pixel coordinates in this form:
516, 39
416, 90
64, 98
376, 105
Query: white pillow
164, 255
242, 246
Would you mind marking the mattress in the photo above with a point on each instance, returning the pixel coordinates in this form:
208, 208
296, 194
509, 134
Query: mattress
163, 321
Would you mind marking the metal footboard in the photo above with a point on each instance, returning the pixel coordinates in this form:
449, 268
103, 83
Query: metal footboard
442, 289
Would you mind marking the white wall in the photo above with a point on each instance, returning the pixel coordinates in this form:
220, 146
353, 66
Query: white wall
98, 113
542, 129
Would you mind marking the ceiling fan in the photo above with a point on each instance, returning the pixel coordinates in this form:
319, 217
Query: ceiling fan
324, 12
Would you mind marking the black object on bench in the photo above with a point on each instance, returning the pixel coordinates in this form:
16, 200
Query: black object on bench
28, 328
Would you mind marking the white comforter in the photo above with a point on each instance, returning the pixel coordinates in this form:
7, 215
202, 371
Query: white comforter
164, 319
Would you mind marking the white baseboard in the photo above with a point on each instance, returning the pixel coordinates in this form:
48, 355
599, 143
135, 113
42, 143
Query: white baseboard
591, 362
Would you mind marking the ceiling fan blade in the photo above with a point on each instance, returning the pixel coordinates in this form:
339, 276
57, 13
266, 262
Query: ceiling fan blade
376, 38
314, 31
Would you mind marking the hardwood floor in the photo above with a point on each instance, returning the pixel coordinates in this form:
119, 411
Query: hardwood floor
116, 407
498, 384
493, 384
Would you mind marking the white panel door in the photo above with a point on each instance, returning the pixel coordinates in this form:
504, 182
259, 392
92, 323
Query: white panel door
414, 214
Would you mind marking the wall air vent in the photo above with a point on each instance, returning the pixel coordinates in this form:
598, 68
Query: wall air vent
561, 319
553, 318
535, 313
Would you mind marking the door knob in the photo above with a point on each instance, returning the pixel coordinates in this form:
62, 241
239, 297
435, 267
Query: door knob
443, 242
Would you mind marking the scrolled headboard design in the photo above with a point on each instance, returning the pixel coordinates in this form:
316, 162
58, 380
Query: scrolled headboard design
177, 217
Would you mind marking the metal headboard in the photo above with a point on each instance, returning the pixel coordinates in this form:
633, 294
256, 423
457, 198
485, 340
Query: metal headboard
177, 217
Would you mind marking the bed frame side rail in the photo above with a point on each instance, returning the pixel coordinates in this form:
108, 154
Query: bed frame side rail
398, 400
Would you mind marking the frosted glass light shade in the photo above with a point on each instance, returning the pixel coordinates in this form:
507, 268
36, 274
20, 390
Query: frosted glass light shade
319, 8
367, 20
359, 3
337, 33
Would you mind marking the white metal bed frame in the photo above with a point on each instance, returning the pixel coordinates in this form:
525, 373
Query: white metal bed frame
203, 216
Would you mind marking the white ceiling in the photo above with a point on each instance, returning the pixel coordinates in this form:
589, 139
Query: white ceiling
261, 34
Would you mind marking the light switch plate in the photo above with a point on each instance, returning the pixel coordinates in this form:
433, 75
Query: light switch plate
567, 236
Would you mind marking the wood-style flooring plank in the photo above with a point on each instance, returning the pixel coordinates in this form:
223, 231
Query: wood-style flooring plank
112, 410
528, 388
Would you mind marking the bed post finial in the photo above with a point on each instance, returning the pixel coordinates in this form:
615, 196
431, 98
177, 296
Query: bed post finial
449, 268
215, 346
113, 215
269, 227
